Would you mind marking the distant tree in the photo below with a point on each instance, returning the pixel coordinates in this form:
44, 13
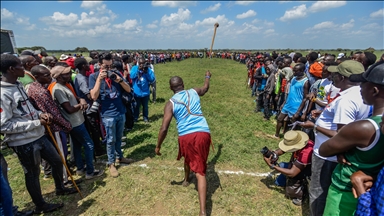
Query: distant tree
370, 49
339, 49
34, 48
81, 49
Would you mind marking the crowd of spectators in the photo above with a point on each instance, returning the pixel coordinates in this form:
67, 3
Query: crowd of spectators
329, 108
86, 103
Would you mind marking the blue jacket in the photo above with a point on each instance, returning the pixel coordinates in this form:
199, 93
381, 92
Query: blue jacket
141, 81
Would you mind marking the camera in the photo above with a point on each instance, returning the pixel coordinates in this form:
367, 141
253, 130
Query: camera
111, 74
267, 153
146, 66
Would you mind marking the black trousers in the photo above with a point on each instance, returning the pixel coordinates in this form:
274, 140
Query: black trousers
92, 123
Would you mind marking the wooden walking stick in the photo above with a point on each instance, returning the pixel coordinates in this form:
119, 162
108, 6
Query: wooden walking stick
213, 38
63, 160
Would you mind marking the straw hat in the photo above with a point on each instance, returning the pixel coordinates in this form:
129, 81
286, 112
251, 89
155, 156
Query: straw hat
293, 141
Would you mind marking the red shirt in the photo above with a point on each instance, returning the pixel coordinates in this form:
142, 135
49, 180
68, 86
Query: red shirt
283, 85
304, 156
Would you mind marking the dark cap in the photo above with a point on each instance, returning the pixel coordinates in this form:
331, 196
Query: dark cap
28, 52
374, 74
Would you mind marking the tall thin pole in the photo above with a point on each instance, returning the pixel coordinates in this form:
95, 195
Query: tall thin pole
213, 38
63, 160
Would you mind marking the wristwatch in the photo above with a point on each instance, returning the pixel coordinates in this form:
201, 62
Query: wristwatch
121, 81
314, 128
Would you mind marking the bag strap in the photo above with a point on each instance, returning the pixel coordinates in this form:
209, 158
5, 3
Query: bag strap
186, 105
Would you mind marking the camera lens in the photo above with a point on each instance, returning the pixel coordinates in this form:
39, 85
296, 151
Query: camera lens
112, 77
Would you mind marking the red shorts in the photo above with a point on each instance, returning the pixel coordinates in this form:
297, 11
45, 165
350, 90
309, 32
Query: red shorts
194, 148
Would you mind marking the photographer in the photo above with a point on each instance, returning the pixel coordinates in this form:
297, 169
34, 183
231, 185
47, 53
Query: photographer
108, 86
142, 76
299, 166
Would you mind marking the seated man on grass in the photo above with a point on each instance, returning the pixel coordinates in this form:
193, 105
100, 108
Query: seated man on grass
295, 172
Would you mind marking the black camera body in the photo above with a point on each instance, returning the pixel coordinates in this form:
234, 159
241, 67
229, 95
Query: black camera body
267, 153
146, 66
111, 74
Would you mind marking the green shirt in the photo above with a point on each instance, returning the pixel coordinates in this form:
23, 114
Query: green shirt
27, 80
369, 160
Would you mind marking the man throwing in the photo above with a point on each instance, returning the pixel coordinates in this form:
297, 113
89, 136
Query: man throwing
194, 134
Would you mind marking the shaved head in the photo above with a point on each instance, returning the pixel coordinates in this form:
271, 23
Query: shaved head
176, 83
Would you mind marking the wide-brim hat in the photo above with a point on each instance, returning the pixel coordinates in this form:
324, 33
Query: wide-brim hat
293, 140
63, 57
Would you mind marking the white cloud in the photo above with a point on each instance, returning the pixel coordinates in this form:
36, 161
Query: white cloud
93, 24
301, 11
248, 29
347, 25
359, 32
173, 4
211, 8
372, 26
325, 5
249, 13
175, 18
61, 19
151, 26
127, 25
265, 24
268, 24
92, 20
377, 14
91, 4
244, 3
295, 13
6, 14
210, 21
324, 25
31, 27
9, 19
269, 31
329, 26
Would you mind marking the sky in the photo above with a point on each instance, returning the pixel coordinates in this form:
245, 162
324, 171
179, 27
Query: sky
133, 25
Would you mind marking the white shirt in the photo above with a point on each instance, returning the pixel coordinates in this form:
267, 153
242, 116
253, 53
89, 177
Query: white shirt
326, 88
346, 108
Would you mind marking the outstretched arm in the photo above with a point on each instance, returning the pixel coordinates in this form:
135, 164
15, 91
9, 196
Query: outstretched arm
201, 91
164, 127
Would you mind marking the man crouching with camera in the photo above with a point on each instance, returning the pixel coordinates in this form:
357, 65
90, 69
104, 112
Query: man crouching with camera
293, 174
107, 86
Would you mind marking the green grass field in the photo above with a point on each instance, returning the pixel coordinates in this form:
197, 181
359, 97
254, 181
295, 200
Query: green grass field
145, 188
